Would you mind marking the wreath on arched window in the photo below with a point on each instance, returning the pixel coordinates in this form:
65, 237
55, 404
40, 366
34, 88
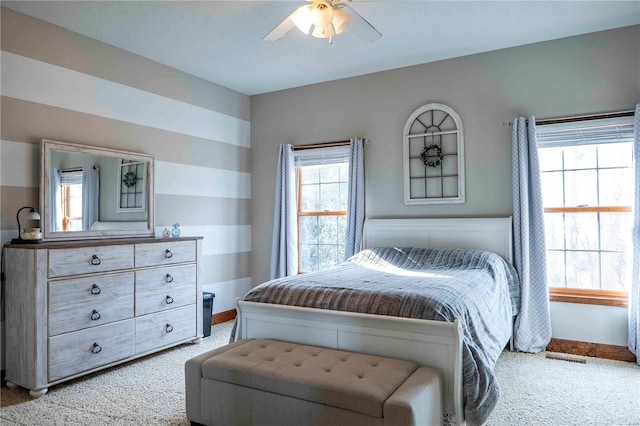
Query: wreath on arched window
425, 156
130, 179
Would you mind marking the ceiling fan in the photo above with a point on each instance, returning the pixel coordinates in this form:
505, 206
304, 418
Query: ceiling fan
325, 19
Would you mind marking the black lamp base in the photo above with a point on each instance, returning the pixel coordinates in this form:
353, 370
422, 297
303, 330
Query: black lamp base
21, 241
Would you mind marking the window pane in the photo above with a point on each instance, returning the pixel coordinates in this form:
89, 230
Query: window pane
554, 224
552, 189
616, 187
344, 196
582, 231
310, 174
330, 173
310, 198
323, 189
328, 256
308, 230
583, 270
615, 155
330, 197
615, 272
615, 231
555, 268
581, 188
328, 230
308, 258
344, 172
580, 157
550, 159
75, 200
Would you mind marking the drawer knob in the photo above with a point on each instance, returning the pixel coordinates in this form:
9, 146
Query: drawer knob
168, 278
95, 289
168, 328
168, 300
95, 260
95, 315
168, 254
96, 348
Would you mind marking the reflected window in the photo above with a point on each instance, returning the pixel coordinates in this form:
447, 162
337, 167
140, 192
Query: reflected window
71, 191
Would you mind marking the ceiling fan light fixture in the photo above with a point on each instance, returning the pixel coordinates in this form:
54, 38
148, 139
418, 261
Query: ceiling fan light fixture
325, 19
323, 32
302, 18
321, 14
341, 20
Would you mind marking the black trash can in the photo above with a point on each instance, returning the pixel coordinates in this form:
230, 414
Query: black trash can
207, 312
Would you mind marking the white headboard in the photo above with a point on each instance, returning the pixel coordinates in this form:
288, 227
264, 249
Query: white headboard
493, 234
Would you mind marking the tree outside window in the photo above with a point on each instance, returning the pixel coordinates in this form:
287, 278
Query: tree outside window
322, 215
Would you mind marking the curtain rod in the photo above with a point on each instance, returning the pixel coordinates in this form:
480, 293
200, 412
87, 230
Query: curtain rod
321, 145
546, 121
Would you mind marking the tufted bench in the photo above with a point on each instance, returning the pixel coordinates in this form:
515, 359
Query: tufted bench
268, 382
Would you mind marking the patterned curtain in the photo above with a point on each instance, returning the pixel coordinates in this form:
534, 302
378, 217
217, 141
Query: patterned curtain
355, 206
634, 294
55, 193
90, 196
284, 248
533, 324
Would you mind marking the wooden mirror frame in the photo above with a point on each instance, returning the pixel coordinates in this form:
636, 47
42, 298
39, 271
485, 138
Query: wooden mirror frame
47, 146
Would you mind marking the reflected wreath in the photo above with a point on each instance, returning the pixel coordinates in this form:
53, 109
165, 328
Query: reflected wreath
424, 156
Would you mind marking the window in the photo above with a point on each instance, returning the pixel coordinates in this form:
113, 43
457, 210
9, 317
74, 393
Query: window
322, 178
587, 186
71, 189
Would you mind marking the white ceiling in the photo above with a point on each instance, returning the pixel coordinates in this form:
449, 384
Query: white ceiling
221, 41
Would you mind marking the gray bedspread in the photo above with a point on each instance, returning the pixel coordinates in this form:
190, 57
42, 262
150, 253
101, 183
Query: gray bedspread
479, 288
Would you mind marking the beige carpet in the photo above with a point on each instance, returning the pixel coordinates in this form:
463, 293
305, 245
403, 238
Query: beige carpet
147, 391
150, 391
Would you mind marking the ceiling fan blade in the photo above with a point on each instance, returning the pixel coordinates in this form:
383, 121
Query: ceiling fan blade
278, 32
361, 27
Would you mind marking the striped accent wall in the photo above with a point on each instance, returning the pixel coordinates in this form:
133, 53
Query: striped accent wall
60, 85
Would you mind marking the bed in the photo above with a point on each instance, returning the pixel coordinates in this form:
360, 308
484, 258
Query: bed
448, 340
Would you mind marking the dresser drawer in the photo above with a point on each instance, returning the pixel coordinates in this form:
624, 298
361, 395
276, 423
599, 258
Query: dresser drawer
80, 351
89, 260
90, 314
159, 300
89, 289
164, 328
165, 253
166, 277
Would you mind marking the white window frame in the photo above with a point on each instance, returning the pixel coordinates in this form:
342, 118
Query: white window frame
586, 132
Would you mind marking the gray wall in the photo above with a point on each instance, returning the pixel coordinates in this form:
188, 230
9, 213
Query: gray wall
579, 75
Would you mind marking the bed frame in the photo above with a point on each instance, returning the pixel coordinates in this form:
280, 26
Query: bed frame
435, 344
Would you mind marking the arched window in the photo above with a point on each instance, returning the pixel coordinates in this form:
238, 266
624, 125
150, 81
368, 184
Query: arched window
433, 156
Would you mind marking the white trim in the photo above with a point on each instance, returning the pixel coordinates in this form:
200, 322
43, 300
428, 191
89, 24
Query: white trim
460, 152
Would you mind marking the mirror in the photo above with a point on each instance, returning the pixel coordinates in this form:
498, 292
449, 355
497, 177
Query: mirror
91, 192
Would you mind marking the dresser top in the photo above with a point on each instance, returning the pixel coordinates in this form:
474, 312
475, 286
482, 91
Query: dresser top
98, 242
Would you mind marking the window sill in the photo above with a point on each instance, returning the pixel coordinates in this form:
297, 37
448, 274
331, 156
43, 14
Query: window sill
618, 299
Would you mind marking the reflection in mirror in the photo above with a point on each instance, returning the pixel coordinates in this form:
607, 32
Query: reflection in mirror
89, 192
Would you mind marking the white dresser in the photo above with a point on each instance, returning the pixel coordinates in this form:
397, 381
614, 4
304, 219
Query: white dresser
73, 308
